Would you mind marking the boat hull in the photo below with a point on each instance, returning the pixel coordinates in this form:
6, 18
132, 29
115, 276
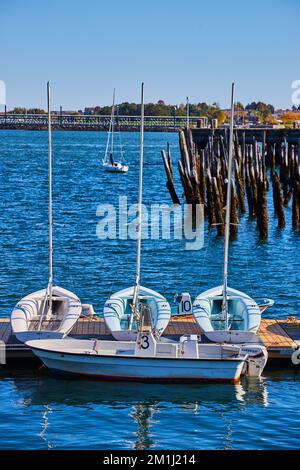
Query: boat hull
30, 335
117, 305
115, 169
232, 336
244, 316
142, 369
27, 314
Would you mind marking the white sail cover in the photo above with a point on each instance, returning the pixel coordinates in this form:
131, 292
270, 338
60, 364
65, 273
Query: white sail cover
244, 315
25, 317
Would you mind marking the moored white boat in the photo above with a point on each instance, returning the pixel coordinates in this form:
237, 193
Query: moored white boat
31, 318
117, 312
243, 316
149, 360
115, 167
109, 163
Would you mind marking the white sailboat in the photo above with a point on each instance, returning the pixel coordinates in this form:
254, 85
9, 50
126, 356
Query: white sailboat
150, 360
225, 314
53, 311
124, 310
109, 163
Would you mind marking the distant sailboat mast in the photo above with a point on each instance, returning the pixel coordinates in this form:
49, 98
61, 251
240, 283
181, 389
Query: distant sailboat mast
110, 162
110, 133
139, 239
112, 124
228, 213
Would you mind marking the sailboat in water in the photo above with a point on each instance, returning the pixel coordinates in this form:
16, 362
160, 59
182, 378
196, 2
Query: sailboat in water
225, 314
125, 310
50, 312
109, 162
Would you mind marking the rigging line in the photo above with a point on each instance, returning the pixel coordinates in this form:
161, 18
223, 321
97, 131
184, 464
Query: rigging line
228, 211
139, 239
50, 196
204, 259
50, 222
108, 141
110, 137
120, 136
113, 122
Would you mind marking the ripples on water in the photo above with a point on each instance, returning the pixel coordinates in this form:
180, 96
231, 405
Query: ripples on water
43, 412
39, 411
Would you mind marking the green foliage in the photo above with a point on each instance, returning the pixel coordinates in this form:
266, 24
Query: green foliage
263, 108
36, 111
162, 109
260, 111
19, 111
28, 111
239, 106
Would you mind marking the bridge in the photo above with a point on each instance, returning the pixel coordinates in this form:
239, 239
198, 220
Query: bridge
93, 122
201, 135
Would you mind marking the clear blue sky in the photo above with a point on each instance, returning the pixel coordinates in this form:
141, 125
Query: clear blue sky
179, 48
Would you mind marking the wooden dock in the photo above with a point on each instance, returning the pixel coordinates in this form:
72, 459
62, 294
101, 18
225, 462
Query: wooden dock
281, 337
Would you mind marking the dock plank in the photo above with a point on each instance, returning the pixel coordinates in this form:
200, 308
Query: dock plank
273, 335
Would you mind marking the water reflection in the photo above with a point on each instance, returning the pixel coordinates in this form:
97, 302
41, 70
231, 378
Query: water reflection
144, 402
45, 423
142, 413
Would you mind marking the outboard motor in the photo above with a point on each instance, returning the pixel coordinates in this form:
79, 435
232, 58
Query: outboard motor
257, 359
184, 303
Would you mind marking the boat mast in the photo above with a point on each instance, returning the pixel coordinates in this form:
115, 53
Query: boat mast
112, 123
228, 213
50, 284
139, 239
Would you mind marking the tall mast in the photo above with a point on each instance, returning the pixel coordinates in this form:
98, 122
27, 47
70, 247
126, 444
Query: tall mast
139, 239
228, 213
50, 196
112, 122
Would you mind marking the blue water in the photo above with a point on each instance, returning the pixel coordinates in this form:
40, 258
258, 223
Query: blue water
38, 411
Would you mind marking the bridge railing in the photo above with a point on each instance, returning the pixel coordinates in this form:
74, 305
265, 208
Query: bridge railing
69, 120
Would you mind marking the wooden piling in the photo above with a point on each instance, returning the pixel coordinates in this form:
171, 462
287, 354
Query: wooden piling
210, 201
202, 179
203, 172
218, 205
240, 186
234, 217
278, 201
296, 204
169, 173
262, 211
249, 191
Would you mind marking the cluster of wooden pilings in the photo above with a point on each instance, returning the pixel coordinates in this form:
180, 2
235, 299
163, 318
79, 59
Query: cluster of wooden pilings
258, 168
